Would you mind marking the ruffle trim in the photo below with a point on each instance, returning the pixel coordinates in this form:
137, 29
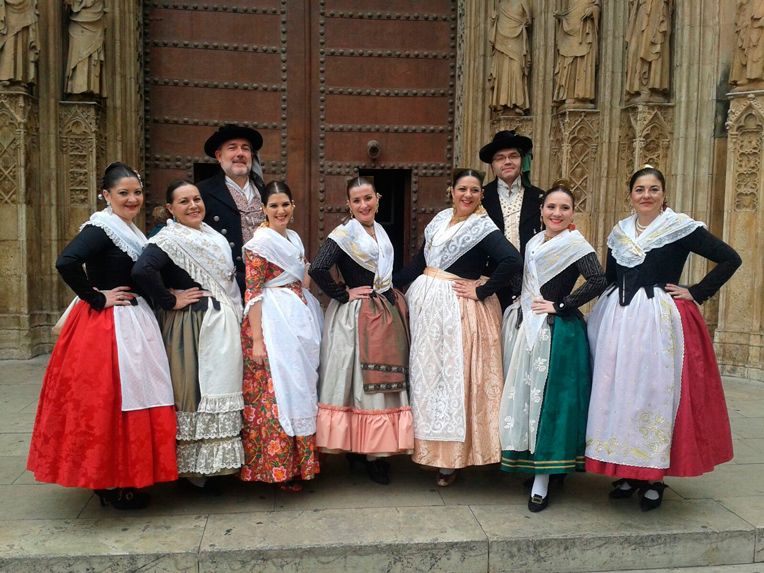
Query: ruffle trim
210, 457
389, 431
118, 241
204, 426
221, 403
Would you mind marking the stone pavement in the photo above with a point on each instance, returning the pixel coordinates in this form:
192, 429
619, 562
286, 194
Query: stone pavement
344, 522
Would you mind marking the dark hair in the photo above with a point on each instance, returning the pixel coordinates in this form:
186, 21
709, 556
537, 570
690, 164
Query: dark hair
173, 186
160, 215
358, 182
647, 170
116, 171
274, 188
562, 185
466, 172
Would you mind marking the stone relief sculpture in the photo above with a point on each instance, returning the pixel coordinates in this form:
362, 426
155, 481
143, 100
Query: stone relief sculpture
648, 54
84, 63
577, 44
19, 48
748, 60
510, 56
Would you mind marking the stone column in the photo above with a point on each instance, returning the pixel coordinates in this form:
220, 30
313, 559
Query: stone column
20, 327
739, 334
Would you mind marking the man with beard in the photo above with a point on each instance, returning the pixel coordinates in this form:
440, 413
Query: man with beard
232, 197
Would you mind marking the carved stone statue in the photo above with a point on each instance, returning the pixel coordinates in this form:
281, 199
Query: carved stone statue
577, 34
84, 63
510, 56
648, 55
748, 61
19, 50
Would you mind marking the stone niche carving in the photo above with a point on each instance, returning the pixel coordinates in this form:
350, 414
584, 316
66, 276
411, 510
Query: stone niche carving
648, 53
746, 131
575, 137
19, 47
748, 60
577, 34
84, 63
510, 56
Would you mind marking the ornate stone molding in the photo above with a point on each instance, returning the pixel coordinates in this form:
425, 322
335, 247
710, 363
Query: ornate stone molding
14, 116
575, 147
745, 124
78, 145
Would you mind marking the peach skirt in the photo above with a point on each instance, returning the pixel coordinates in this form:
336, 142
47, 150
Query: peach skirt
483, 383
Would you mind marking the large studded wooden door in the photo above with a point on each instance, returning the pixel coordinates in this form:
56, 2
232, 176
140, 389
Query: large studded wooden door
324, 81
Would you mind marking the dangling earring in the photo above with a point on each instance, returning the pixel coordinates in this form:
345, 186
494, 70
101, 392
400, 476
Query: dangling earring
350, 213
664, 205
291, 219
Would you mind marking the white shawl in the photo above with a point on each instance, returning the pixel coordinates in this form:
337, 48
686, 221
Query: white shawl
375, 256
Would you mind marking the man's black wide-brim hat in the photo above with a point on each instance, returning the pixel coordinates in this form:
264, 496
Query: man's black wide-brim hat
505, 140
230, 131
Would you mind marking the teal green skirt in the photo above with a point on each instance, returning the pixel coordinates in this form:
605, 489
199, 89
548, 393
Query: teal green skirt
561, 437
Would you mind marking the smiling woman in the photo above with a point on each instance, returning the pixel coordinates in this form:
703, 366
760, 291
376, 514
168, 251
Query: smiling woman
188, 271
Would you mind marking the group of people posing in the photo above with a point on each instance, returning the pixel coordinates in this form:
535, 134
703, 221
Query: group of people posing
201, 351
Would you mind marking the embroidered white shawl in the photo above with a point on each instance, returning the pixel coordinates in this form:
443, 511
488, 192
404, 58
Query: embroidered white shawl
668, 227
206, 256
375, 256
444, 244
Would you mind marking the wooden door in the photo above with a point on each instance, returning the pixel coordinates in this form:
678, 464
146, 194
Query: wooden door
319, 79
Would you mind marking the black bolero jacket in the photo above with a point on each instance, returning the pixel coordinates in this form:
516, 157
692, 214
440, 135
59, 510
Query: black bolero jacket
665, 264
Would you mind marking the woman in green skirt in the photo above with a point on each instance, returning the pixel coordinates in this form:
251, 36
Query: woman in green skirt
546, 354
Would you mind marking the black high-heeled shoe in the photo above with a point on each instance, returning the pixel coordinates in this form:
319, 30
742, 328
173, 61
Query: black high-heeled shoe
619, 493
379, 471
123, 498
645, 503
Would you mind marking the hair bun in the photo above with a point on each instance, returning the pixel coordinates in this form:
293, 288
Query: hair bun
562, 183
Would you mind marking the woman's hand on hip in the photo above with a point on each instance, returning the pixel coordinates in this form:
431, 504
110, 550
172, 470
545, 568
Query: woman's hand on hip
677, 291
183, 298
359, 292
118, 296
541, 306
467, 289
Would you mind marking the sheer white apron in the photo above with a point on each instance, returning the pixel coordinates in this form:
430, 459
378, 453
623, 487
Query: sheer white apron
144, 372
292, 333
437, 364
637, 352
525, 375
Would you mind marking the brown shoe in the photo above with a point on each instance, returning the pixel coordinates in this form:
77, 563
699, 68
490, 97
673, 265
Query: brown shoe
445, 480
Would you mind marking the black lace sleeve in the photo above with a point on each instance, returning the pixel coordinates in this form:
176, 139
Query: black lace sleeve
321, 271
88, 243
589, 267
508, 263
147, 274
727, 261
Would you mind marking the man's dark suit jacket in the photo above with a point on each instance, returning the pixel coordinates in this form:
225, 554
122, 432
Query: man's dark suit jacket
530, 224
223, 216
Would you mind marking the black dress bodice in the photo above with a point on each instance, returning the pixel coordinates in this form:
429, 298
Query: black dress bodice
105, 266
665, 264
155, 272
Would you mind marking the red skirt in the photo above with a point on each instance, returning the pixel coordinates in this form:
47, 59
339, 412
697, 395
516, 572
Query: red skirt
702, 438
81, 436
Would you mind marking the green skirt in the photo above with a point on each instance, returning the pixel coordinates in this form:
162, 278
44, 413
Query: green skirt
561, 437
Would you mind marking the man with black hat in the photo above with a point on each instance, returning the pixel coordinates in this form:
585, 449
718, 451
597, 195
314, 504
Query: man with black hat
510, 199
232, 197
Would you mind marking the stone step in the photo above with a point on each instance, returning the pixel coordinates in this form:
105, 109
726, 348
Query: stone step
572, 536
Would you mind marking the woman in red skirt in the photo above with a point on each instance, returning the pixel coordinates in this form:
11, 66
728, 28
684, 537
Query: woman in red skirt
106, 419
657, 405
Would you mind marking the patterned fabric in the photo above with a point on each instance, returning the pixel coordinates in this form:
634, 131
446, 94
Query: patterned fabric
511, 202
270, 455
250, 207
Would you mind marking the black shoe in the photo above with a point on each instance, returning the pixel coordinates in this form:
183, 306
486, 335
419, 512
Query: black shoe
537, 503
354, 459
123, 498
379, 471
620, 493
645, 503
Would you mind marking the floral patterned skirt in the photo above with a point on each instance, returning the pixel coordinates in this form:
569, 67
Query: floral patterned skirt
270, 455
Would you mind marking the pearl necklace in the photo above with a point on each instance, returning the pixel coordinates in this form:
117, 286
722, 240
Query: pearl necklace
640, 228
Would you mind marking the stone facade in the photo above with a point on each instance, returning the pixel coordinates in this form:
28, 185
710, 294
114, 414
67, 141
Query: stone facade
676, 83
